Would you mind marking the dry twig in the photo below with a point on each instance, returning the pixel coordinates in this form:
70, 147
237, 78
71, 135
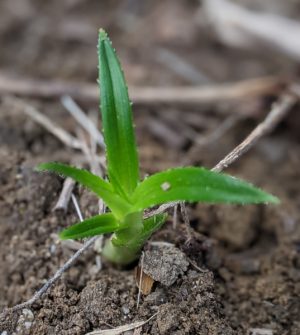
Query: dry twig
140, 280
83, 120
212, 137
162, 130
145, 95
186, 221
77, 208
295, 89
96, 138
45, 122
241, 27
278, 112
65, 195
121, 329
181, 67
175, 216
260, 331
219, 132
196, 266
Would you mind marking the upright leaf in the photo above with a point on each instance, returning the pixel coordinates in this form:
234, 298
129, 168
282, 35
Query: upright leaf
96, 184
196, 184
122, 158
96, 225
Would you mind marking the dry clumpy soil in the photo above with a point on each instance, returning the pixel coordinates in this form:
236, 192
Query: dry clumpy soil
240, 270
86, 299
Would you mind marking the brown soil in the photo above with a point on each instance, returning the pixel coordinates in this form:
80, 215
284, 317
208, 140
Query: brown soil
251, 255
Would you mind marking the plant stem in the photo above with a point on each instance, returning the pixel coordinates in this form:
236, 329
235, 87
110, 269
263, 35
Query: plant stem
121, 255
124, 246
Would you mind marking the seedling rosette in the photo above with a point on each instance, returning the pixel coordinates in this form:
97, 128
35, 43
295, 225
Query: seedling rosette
125, 194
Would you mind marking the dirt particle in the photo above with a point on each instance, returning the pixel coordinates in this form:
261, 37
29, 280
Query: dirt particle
164, 264
167, 318
25, 322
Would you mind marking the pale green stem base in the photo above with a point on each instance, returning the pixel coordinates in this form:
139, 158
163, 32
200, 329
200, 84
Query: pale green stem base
122, 255
124, 246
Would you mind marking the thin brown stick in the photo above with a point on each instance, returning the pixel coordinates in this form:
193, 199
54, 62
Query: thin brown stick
70, 244
161, 209
77, 208
175, 217
145, 95
295, 89
65, 195
259, 331
181, 67
162, 130
218, 132
186, 220
121, 329
200, 142
66, 192
278, 112
252, 30
45, 122
83, 120
196, 266
140, 281
96, 138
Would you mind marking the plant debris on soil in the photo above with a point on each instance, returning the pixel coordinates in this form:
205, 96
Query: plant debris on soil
239, 273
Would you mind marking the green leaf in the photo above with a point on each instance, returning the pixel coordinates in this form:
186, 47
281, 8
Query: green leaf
196, 184
136, 235
96, 225
121, 151
152, 224
96, 184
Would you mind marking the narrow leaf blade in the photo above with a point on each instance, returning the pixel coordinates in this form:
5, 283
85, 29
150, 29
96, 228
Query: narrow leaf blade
96, 225
122, 157
94, 183
194, 184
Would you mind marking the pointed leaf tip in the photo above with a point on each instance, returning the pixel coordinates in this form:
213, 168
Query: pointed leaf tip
271, 199
197, 184
41, 167
117, 120
102, 34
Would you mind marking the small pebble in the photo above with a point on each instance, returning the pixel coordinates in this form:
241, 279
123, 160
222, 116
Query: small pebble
52, 248
25, 322
164, 264
28, 315
125, 310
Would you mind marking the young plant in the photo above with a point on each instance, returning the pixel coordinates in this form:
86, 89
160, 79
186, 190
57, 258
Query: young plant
124, 193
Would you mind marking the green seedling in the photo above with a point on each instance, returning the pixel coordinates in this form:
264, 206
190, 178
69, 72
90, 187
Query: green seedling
125, 194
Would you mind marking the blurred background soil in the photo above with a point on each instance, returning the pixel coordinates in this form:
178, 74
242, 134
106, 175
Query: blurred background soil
251, 254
